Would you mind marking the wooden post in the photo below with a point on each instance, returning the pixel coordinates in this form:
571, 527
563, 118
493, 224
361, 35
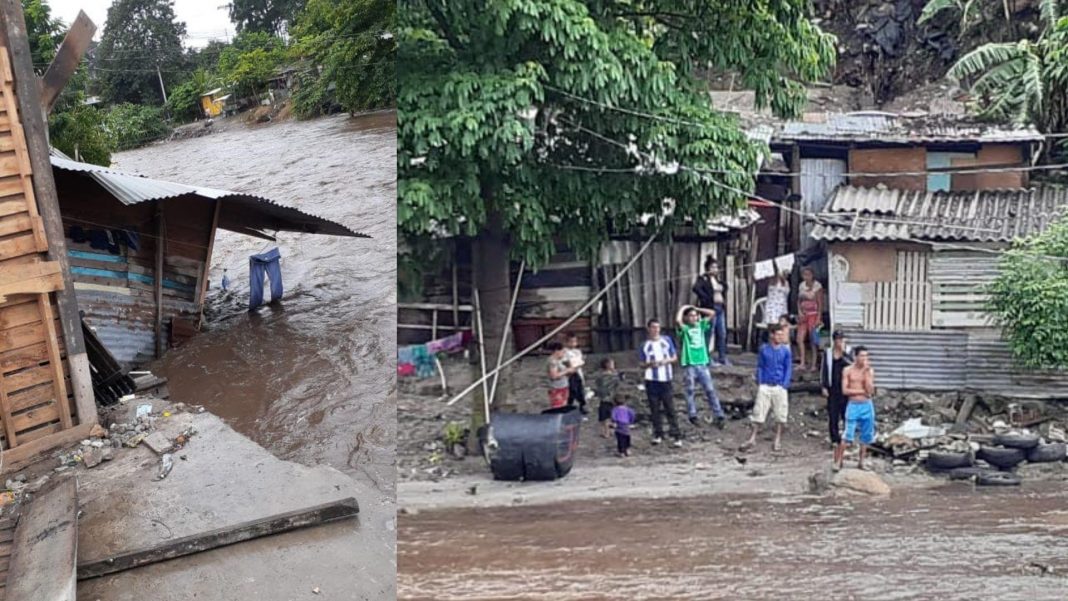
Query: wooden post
35, 129
160, 235
205, 270
794, 232
455, 294
74, 45
55, 362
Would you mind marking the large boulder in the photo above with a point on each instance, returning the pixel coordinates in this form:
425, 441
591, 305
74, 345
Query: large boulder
860, 481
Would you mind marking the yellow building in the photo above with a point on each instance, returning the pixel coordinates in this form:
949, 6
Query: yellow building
213, 102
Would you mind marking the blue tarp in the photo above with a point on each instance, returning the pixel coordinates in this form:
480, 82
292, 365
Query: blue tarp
266, 264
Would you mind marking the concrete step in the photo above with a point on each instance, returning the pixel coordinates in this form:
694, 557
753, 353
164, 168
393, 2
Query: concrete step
43, 557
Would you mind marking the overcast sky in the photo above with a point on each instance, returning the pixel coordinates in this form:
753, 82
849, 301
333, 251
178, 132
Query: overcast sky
205, 20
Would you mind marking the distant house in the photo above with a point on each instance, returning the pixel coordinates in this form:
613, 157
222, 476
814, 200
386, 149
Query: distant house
213, 102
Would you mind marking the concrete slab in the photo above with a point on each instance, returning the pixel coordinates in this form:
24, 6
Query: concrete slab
225, 479
46, 539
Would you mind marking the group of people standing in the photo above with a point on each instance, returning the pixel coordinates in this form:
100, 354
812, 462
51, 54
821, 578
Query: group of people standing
846, 377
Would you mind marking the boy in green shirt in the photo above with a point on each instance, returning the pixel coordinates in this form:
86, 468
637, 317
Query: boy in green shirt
694, 325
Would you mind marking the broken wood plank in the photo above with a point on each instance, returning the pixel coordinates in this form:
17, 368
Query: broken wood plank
966, 409
70, 52
19, 457
55, 361
45, 552
220, 537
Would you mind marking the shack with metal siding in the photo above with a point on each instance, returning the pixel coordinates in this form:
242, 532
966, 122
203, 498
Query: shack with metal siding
909, 270
213, 102
122, 231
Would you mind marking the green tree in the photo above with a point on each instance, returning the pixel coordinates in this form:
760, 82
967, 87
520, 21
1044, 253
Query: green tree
251, 61
44, 32
140, 36
80, 133
351, 48
1026, 81
184, 101
132, 125
1029, 298
267, 16
505, 110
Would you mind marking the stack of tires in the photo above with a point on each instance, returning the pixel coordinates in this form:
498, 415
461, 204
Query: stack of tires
1006, 451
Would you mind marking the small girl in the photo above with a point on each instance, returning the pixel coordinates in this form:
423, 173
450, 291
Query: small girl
623, 417
605, 385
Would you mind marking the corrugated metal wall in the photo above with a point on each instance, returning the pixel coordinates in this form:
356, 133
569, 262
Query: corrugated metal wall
954, 360
958, 278
915, 360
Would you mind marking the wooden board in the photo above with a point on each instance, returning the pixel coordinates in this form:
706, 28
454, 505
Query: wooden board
44, 555
220, 537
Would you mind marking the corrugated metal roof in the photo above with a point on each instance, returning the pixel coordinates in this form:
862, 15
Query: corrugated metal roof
932, 360
982, 215
239, 212
894, 128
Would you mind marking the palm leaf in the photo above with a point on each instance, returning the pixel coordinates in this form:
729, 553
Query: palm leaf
934, 7
1050, 11
1033, 86
983, 59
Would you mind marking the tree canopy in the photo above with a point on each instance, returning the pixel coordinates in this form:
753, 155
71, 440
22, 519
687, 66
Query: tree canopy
510, 107
353, 41
265, 16
139, 36
1029, 299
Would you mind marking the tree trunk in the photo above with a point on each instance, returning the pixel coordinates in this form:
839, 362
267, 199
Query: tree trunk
493, 280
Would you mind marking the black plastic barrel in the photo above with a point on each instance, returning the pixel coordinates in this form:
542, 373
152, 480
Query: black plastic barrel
533, 447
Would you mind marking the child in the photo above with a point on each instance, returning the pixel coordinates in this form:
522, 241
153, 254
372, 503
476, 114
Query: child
623, 417
573, 359
605, 385
558, 374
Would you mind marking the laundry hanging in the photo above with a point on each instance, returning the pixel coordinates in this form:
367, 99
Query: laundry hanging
265, 264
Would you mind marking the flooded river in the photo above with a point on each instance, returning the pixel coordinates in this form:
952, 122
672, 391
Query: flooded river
312, 380
952, 542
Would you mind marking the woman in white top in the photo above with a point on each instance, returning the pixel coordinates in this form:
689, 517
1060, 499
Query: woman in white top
777, 299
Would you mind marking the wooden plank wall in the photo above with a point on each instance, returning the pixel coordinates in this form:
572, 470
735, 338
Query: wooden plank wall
35, 389
116, 286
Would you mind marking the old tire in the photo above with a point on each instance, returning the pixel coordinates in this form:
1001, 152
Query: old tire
1048, 453
989, 478
947, 460
965, 473
533, 447
1015, 440
1001, 457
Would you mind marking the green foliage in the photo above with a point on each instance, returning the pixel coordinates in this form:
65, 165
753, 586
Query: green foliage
489, 124
139, 36
80, 132
1024, 82
251, 61
455, 433
267, 16
132, 125
183, 103
44, 32
353, 43
1029, 299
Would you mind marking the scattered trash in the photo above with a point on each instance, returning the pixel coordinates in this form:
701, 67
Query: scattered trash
167, 464
316, 590
143, 410
135, 440
914, 429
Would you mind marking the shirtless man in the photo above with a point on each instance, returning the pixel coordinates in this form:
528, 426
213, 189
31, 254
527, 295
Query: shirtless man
858, 385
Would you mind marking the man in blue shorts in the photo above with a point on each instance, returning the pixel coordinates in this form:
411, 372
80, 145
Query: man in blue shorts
858, 385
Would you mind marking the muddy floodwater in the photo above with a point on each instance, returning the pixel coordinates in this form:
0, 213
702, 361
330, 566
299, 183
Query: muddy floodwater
313, 379
949, 542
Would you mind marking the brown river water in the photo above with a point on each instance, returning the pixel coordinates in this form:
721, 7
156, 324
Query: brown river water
951, 542
312, 380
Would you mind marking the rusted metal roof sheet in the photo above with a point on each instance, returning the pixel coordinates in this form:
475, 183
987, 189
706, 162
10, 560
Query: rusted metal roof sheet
249, 211
900, 129
980, 216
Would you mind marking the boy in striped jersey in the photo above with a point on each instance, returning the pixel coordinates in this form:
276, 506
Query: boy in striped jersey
656, 356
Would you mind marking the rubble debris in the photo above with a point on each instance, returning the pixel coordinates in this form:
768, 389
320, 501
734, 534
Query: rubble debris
159, 443
860, 481
92, 457
98, 431
166, 465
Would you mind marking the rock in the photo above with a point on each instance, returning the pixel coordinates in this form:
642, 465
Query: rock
107, 453
819, 482
159, 443
93, 457
36, 485
860, 481
98, 431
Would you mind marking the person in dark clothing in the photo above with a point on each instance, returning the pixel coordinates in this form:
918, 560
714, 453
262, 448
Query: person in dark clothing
836, 359
711, 291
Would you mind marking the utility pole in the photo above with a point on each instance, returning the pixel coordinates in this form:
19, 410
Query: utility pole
161, 88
